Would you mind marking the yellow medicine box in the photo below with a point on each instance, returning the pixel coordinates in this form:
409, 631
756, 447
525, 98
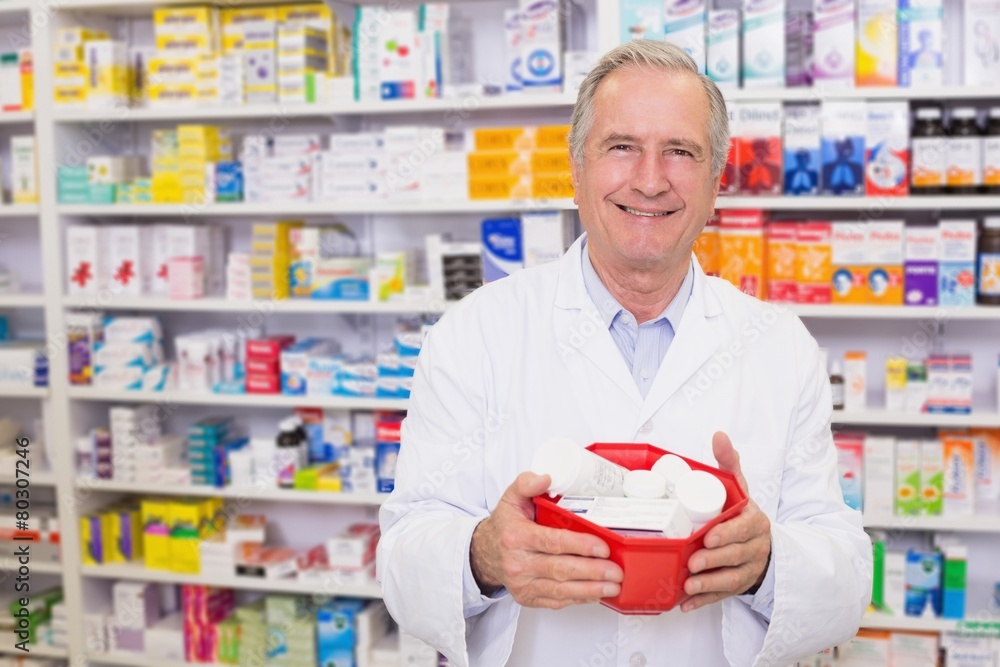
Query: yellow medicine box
186, 43
551, 160
172, 93
69, 95
500, 187
155, 515
498, 163
77, 36
168, 68
186, 20
70, 73
68, 54
503, 138
552, 186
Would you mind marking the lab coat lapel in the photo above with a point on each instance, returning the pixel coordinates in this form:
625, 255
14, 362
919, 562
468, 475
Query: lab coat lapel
695, 341
582, 338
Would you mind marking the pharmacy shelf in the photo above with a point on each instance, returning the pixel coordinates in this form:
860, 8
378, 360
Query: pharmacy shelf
23, 392
248, 494
972, 524
347, 108
18, 210
11, 6
36, 477
36, 566
15, 117
35, 650
237, 400
876, 621
284, 306
876, 206
25, 300
937, 93
325, 209
942, 315
885, 418
138, 572
134, 660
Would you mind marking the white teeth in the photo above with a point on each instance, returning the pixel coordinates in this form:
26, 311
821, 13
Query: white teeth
643, 213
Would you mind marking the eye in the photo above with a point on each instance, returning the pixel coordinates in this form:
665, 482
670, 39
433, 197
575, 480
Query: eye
621, 147
681, 152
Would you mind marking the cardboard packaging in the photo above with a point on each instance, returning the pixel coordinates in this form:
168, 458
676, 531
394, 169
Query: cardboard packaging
742, 250
684, 25
764, 43
878, 46
957, 267
843, 148
920, 43
759, 150
980, 27
884, 241
833, 43
813, 262
723, 48
887, 141
781, 252
922, 252
802, 149
849, 263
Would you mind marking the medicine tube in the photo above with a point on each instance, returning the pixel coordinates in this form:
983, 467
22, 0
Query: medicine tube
577, 471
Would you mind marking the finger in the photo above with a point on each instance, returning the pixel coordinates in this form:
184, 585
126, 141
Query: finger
745, 526
557, 541
548, 603
727, 457
732, 555
576, 568
698, 601
728, 580
593, 591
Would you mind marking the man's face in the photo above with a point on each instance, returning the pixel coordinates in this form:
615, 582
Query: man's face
645, 187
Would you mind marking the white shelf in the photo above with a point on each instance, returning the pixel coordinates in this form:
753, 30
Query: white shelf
137, 572
345, 108
136, 659
37, 478
36, 651
972, 524
938, 93
11, 6
877, 621
36, 566
884, 418
23, 392
284, 306
874, 204
943, 314
15, 117
240, 400
26, 300
249, 494
18, 210
325, 209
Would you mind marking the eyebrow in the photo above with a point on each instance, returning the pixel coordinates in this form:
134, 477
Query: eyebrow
620, 138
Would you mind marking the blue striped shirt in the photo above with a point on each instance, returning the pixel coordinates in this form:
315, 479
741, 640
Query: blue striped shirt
644, 346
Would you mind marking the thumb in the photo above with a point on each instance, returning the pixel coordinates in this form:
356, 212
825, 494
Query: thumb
528, 485
727, 457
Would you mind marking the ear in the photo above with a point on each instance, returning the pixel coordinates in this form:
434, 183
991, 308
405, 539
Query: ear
575, 170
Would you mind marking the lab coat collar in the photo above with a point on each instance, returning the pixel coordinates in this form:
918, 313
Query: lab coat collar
579, 326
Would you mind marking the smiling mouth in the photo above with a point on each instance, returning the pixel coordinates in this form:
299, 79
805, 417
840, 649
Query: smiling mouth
644, 214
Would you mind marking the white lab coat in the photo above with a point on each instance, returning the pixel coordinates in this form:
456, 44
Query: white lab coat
528, 358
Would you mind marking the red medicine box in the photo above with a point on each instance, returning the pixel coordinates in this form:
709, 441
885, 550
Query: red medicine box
655, 568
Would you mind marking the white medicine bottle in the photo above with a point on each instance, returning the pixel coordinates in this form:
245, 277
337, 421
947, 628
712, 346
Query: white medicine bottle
576, 471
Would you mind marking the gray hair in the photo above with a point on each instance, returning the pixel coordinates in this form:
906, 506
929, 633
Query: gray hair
657, 55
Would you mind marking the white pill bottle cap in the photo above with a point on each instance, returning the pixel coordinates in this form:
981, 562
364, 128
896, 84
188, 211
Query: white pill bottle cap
702, 495
560, 459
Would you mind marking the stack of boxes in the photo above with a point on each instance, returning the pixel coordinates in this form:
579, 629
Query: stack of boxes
209, 442
354, 167
218, 552
520, 163
107, 74
162, 462
165, 159
269, 259
17, 81
70, 66
303, 53
136, 607
742, 250
291, 631
112, 535
203, 609
253, 633
199, 148
352, 552
132, 429
129, 354
263, 363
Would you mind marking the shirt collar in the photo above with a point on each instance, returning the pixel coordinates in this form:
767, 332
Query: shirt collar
608, 306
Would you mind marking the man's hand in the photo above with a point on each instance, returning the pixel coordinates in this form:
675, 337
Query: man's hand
541, 567
737, 551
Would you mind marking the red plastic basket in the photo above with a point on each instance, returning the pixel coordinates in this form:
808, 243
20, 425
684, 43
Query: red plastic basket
655, 568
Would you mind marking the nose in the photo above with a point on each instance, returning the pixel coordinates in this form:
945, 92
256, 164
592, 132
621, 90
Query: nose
651, 177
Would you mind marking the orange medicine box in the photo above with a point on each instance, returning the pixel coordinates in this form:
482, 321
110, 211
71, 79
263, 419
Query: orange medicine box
884, 245
849, 263
520, 138
742, 250
781, 247
655, 568
812, 262
706, 247
552, 186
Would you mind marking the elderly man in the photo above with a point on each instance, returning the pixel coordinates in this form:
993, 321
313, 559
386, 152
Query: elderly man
624, 339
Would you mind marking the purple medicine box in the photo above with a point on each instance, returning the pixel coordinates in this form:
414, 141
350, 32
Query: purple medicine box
920, 266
